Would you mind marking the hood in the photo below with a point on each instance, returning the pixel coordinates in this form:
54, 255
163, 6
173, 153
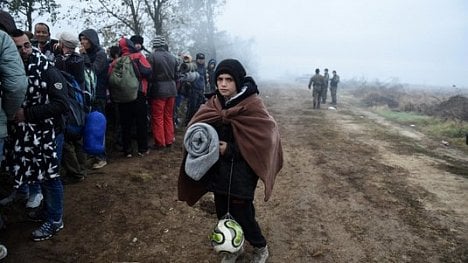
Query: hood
93, 37
7, 22
126, 46
212, 61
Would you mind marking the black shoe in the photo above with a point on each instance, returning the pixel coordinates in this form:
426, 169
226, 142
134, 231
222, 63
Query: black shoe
158, 147
143, 153
66, 180
38, 215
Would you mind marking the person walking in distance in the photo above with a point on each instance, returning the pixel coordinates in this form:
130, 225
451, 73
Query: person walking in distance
334, 86
317, 82
326, 77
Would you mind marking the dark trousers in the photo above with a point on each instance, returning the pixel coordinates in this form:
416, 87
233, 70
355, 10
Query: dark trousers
243, 212
130, 113
74, 158
333, 94
195, 99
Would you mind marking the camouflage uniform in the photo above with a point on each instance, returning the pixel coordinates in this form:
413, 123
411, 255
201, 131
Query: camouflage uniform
326, 77
333, 87
317, 81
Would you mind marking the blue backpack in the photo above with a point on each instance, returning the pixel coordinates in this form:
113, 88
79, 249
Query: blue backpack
76, 115
94, 135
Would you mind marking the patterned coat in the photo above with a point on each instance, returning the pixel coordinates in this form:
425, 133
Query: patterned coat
31, 148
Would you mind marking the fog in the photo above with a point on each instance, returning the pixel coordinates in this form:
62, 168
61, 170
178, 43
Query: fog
419, 41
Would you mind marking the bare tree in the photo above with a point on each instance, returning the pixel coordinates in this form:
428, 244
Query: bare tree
157, 12
26, 10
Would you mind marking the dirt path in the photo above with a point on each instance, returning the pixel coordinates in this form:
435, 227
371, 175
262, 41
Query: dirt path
354, 188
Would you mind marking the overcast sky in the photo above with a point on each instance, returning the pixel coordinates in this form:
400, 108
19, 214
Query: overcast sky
415, 41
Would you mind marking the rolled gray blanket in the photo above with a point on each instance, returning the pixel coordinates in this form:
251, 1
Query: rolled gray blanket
202, 145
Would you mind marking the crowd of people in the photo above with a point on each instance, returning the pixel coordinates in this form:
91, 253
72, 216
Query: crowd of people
320, 84
40, 154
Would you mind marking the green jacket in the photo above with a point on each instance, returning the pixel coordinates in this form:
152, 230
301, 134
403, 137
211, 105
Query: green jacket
13, 81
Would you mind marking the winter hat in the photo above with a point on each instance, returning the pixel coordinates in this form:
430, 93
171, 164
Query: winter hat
7, 23
202, 145
234, 68
200, 56
69, 40
136, 39
159, 41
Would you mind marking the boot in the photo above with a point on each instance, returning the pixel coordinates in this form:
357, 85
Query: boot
232, 257
260, 254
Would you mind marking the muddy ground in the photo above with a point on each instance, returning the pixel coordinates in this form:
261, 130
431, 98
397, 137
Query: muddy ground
354, 188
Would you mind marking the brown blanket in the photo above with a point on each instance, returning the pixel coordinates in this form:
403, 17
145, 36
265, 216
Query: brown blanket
257, 135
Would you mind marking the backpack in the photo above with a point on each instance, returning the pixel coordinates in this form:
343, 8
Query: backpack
123, 81
89, 87
76, 114
94, 134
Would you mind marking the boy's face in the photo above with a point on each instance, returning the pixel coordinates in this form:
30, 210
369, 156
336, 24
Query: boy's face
226, 85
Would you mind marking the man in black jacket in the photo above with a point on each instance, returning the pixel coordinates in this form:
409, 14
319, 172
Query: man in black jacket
37, 135
95, 58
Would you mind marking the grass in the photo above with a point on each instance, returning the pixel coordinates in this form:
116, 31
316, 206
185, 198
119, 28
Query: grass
449, 130
405, 118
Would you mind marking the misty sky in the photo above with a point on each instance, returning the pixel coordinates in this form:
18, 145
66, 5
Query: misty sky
416, 41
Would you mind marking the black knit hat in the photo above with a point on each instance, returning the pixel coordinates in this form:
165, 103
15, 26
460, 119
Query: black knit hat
7, 23
234, 68
136, 39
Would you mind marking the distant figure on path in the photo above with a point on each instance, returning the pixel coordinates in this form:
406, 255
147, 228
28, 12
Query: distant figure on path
317, 81
326, 77
334, 86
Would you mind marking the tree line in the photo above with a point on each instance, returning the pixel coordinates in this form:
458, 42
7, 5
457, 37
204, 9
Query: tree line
188, 25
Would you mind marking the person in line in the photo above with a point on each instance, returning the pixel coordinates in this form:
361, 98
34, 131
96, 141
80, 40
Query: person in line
162, 94
196, 94
74, 158
210, 88
334, 86
138, 43
95, 58
113, 119
249, 149
326, 78
317, 81
32, 192
134, 112
43, 41
186, 76
13, 84
37, 135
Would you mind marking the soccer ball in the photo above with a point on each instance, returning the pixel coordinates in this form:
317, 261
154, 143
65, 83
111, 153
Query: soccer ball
227, 236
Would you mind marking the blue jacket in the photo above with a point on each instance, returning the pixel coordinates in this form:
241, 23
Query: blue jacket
13, 81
